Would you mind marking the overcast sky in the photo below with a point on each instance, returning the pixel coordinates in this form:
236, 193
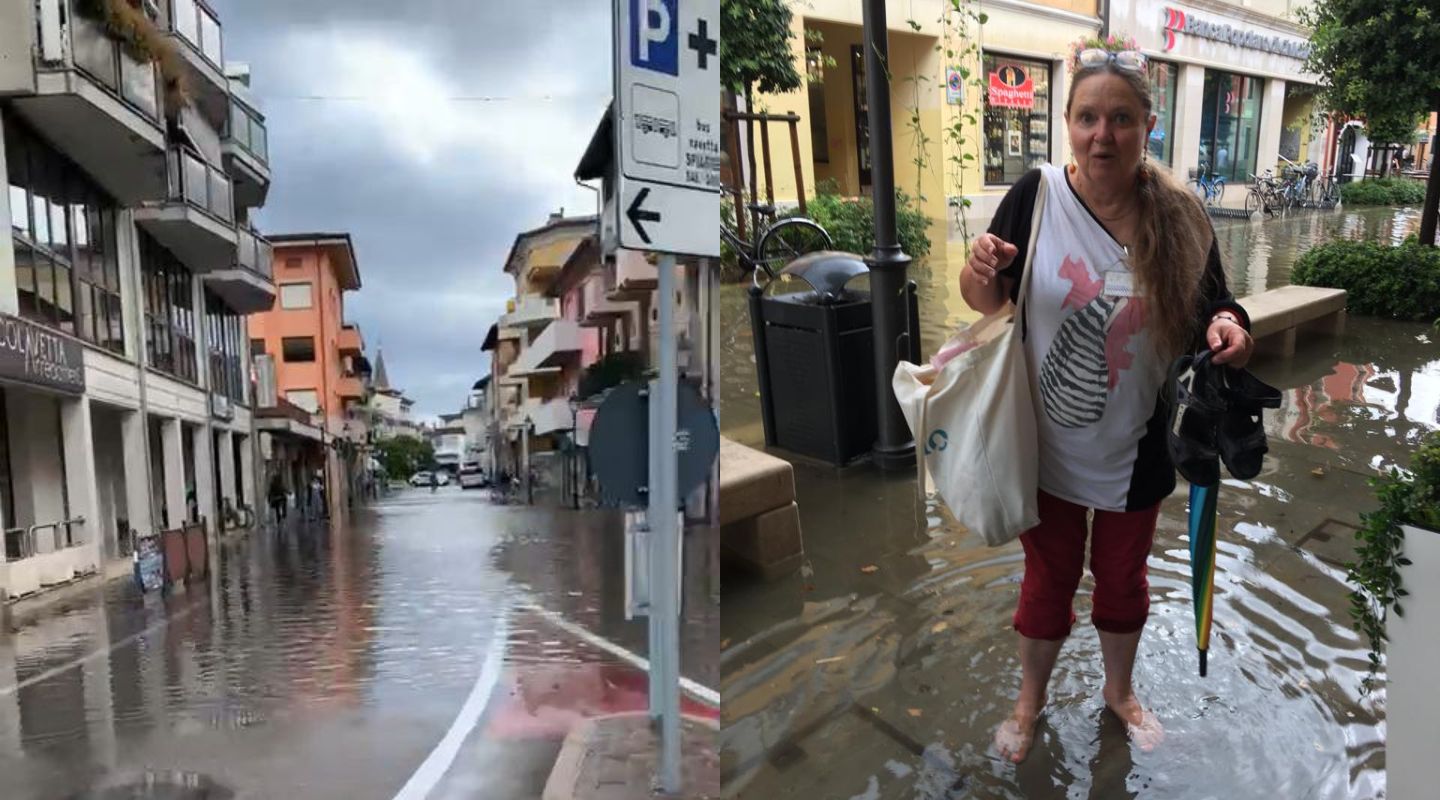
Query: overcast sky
432, 187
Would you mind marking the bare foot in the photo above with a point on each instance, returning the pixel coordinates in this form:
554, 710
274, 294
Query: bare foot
1016, 734
1144, 728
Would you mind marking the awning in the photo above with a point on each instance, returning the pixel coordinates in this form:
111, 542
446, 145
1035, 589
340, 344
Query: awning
284, 426
492, 339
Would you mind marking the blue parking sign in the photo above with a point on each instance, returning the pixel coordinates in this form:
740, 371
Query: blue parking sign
654, 35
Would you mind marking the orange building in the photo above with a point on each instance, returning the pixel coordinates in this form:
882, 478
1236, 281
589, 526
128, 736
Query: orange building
319, 359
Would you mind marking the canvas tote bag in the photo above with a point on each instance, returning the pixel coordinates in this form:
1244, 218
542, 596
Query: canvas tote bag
973, 419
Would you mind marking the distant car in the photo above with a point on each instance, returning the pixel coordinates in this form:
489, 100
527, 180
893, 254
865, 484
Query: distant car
420, 479
442, 477
472, 477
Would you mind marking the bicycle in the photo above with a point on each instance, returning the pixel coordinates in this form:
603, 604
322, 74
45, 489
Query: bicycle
237, 516
1208, 187
781, 242
1264, 196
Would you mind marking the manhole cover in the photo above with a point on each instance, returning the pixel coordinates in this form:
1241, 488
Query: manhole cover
160, 785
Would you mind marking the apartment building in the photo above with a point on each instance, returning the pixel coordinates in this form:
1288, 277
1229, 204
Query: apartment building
319, 361
132, 163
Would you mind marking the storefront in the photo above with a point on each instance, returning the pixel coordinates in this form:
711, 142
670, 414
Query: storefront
1017, 116
1230, 92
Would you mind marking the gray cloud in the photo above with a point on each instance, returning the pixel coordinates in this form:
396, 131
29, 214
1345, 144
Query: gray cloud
433, 188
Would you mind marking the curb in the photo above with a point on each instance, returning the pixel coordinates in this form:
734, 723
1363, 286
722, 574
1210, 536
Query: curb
570, 768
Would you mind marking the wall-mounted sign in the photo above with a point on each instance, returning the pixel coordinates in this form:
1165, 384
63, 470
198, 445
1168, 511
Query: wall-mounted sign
1012, 87
1177, 21
32, 354
954, 86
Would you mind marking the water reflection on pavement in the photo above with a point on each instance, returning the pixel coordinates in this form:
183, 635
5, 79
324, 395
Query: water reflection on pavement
849, 682
330, 662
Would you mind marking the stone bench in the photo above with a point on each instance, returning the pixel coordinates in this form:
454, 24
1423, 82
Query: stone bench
1279, 316
759, 520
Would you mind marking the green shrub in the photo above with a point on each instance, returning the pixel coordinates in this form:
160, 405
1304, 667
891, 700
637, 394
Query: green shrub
1396, 282
851, 223
610, 371
1412, 499
1383, 192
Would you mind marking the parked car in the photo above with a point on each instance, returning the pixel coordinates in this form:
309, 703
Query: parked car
420, 479
472, 477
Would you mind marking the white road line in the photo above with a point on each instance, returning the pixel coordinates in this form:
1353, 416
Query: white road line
127, 641
438, 762
702, 693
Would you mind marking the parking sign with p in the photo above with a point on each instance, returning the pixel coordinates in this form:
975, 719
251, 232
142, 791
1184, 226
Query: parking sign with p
654, 43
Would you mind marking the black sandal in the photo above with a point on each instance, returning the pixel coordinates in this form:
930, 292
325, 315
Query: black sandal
1242, 430
1196, 410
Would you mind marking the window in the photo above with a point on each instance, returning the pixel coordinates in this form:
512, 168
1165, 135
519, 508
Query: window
1230, 124
1017, 117
295, 295
306, 399
169, 311
815, 86
257, 347
66, 261
1164, 79
298, 349
225, 332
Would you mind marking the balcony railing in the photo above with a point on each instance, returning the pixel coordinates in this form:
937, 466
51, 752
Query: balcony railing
197, 183
199, 26
245, 129
22, 543
253, 252
102, 57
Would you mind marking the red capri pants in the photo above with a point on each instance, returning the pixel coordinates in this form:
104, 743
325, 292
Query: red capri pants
1055, 556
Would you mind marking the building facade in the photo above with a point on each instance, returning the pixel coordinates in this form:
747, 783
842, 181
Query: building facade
126, 274
1228, 80
319, 359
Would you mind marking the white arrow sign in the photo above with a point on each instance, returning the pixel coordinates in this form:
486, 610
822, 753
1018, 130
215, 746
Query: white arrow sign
667, 125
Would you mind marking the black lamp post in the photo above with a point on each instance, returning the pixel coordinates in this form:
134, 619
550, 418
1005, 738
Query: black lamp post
575, 451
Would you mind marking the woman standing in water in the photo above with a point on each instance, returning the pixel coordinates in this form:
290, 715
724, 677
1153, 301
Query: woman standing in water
1127, 277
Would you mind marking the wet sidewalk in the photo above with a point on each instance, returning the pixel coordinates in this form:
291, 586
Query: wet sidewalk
882, 668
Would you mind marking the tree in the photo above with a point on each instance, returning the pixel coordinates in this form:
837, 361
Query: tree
1375, 59
755, 47
403, 456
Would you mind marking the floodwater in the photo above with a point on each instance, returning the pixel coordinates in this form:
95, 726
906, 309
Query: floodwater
881, 669
331, 661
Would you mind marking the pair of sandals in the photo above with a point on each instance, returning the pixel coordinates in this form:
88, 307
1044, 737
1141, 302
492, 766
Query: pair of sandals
1216, 415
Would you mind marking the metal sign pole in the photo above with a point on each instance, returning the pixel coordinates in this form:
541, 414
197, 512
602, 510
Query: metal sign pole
664, 533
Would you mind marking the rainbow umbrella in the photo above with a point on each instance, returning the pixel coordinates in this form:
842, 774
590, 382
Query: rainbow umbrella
1202, 563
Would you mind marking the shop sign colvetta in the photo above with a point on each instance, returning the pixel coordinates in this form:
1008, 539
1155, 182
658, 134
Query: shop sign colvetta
30, 353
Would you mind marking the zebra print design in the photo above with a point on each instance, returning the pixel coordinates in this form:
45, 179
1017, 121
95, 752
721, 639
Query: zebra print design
1074, 376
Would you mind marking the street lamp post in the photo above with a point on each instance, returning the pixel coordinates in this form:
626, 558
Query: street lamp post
529, 482
575, 451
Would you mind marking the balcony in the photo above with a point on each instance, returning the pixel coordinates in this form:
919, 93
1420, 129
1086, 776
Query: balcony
196, 221
195, 29
247, 154
531, 311
551, 416
350, 388
631, 277
350, 342
557, 345
600, 310
247, 286
97, 103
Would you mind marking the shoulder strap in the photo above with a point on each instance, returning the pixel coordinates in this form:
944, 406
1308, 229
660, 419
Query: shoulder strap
1030, 255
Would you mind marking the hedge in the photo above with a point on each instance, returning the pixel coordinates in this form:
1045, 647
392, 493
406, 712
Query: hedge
851, 223
1383, 192
1397, 282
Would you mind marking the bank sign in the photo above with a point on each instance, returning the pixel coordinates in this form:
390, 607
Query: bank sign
1178, 22
32, 354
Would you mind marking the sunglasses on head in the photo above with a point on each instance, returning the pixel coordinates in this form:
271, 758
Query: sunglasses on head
1132, 60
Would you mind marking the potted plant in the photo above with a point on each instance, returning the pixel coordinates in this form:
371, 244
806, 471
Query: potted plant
1397, 563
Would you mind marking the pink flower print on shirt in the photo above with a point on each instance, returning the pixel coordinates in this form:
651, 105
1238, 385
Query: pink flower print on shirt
1127, 322
1083, 289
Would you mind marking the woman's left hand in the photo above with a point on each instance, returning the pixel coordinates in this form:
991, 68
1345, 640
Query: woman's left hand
1230, 343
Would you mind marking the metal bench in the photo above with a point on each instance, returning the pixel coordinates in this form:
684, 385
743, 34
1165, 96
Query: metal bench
1279, 316
759, 520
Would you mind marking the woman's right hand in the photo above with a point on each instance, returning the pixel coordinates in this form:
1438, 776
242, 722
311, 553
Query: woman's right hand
990, 256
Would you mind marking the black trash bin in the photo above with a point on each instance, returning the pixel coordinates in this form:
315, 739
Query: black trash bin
815, 359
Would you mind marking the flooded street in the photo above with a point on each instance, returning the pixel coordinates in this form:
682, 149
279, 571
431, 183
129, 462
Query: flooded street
438, 642
844, 681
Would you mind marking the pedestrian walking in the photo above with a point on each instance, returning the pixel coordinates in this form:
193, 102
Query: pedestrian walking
277, 498
1126, 277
